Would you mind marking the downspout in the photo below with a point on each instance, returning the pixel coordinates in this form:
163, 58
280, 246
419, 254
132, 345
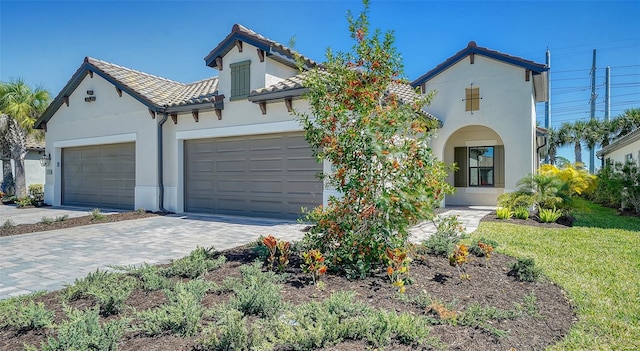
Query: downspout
540, 147
164, 118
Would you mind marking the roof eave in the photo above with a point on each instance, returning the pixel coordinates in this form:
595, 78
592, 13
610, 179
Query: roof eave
73, 84
278, 95
536, 68
620, 143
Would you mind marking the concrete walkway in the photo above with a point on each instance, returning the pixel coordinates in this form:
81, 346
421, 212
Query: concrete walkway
49, 260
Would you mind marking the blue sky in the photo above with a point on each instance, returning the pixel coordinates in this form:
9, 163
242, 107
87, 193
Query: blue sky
44, 42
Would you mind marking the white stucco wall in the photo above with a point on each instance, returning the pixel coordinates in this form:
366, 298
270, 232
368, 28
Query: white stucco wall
110, 119
507, 109
33, 171
620, 155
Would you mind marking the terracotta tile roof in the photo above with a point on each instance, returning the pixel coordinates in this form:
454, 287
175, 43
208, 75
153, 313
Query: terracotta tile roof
160, 91
33, 143
473, 48
294, 87
272, 48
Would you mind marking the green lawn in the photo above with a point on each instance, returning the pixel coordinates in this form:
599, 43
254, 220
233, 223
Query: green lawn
597, 262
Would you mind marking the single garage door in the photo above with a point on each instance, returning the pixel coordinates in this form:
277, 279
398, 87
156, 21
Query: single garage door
271, 175
99, 176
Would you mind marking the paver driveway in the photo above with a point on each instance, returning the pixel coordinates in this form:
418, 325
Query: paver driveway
49, 260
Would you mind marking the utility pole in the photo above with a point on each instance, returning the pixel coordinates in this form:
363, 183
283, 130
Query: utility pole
607, 94
592, 154
547, 104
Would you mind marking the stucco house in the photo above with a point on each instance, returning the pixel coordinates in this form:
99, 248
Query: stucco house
121, 138
34, 172
623, 149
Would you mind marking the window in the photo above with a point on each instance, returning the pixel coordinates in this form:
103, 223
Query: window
628, 158
240, 80
472, 99
479, 166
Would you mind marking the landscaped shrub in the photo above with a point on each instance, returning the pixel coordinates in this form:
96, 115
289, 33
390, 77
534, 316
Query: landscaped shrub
448, 232
24, 314
524, 269
387, 175
8, 224
579, 181
549, 215
475, 249
548, 190
24, 201
110, 290
36, 193
504, 213
277, 251
619, 186
96, 215
150, 276
257, 292
521, 213
181, 315
230, 332
516, 199
83, 331
197, 263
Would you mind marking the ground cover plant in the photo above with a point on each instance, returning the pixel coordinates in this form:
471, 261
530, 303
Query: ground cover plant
595, 261
239, 303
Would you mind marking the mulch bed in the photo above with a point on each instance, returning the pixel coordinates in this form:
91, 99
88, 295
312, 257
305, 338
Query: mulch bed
491, 287
563, 222
72, 222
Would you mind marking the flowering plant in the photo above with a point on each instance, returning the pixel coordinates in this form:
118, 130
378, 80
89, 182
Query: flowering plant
458, 258
398, 268
313, 264
486, 249
278, 251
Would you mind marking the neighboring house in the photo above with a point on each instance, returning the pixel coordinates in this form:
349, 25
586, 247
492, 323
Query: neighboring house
33, 170
623, 149
486, 101
121, 138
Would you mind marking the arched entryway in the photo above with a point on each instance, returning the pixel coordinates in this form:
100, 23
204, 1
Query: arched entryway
479, 153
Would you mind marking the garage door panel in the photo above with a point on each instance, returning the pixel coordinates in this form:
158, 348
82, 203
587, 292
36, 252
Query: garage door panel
266, 164
233, 165
267, 186
99, 175
264, 175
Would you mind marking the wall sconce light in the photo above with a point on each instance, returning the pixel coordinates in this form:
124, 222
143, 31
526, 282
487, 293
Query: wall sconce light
45, 159
89, 92
90, 99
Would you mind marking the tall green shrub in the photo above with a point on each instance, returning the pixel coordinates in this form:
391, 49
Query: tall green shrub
378, 144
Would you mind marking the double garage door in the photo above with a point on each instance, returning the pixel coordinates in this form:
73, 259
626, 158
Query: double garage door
101, 176
271, 175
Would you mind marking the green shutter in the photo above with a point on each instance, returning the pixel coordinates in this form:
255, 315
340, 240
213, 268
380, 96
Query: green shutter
498, 165
240, 79
461, 175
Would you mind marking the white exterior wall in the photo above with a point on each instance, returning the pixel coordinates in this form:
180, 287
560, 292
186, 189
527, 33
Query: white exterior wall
33, 171
239, 117
507, 108
108, 120
620, 155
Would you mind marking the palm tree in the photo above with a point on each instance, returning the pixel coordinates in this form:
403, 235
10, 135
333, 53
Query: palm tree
22, 106
556, 139
628, 121
574, 133
5, 156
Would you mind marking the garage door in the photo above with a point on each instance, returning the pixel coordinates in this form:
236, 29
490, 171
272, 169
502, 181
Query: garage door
99, 176
265, 175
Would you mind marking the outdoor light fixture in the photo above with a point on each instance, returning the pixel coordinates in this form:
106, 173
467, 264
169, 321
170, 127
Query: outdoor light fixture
45, 159
90, 99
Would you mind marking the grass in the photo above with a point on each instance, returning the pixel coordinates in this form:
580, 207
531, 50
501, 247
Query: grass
597, 262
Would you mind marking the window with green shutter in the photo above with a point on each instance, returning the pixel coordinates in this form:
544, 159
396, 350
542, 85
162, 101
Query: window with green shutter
240, 80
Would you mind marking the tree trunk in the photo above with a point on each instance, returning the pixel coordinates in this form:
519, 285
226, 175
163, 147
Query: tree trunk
577, 147
21, 184
7, 178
